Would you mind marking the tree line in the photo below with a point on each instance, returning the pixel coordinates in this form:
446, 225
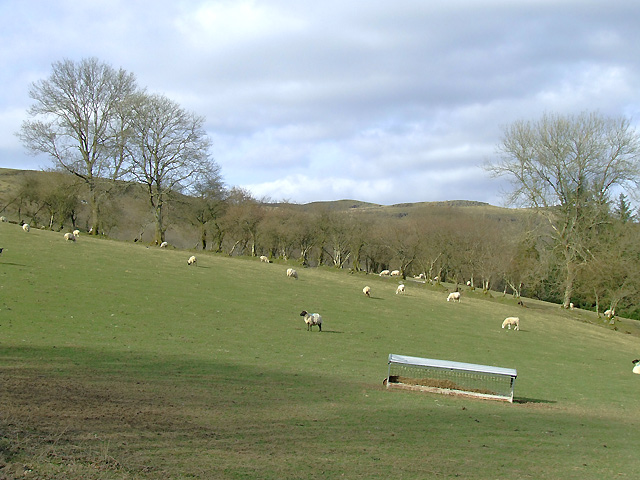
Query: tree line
574, 175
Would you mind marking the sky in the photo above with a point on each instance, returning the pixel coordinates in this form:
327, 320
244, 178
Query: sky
377, 101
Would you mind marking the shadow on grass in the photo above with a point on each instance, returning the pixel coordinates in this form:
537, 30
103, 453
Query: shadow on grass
524, 400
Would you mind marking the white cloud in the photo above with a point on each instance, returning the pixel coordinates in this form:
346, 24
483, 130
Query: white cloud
389, 103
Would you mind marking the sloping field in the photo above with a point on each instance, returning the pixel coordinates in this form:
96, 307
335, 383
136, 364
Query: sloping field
119, 361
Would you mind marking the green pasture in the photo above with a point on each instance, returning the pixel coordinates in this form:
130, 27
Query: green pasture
119, 361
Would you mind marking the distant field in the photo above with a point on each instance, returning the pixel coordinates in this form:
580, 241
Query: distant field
119, 361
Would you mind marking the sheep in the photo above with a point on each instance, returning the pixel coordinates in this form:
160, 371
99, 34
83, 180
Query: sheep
76, 233
384, 272
395, 273
264, 259
454, 296
515, 321
367, 291
609, 314
3, 219
292, 273
636, 366
400, 289
192, 260
312, 319
26, 227
69, 237
164, 245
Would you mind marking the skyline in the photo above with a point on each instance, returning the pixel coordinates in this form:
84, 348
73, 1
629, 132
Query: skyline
307, 102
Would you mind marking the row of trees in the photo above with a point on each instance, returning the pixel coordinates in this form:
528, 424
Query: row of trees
574, 173
95, 122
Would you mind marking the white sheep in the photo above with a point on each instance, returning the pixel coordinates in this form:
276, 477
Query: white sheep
367, 291
292, 273
76, 233
3, 219
69, 237
384, 272
454, 297
636, 366
400, 289
395, 273
609, 314
26, 227
515, 321
312, 319
164, 245
192, 260
264, 259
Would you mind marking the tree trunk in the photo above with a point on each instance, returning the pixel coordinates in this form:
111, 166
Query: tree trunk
568, 288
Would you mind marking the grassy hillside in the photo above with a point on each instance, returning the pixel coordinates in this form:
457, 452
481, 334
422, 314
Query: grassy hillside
120, 361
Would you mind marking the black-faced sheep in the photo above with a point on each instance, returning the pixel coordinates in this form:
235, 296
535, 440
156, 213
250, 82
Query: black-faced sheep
367, 291
76, 233
454, 297
395, 273
400, 289
515, 321
164, 245
312, 319
192, 260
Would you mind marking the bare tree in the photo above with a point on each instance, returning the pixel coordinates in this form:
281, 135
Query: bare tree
566, 167
169, 151
75, 121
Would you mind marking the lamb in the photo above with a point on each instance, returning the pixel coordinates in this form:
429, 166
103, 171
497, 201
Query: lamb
26, 227
400, 289
515, 321
395, 273
367, 291
192, 260
69, 237
454, 296
163, 245
292, 273
384, 272
76, 233
312, 319
264, 259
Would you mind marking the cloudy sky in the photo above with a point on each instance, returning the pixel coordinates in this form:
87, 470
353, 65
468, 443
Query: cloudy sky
379, 101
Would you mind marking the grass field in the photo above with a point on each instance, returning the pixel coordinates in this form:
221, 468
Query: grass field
119, 361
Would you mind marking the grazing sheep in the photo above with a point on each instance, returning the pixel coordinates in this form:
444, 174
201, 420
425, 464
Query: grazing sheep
636, 366
69, 237
454, 297
3, 219
384, 272
292, 273
312, 319
76, 233
192, 260
395, 273
400, 289
163, 245
515, 321
264, 259
367, 291
26, 227
609, 314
